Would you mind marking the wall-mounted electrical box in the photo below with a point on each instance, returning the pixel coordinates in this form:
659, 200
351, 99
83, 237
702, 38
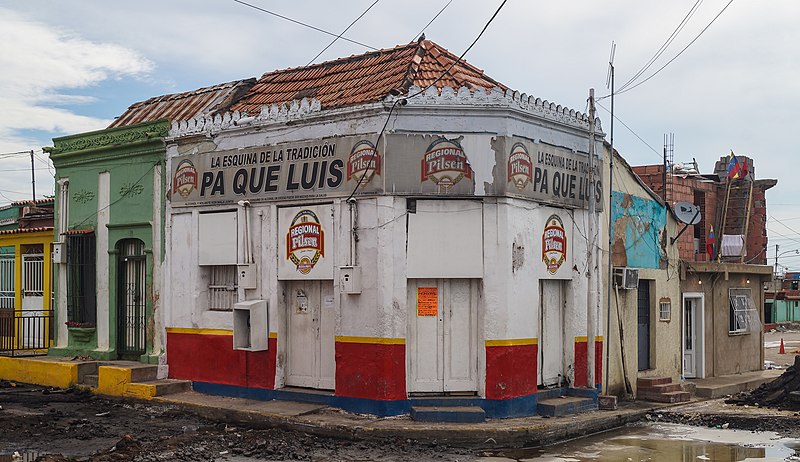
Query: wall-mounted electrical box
250, 325
246, 275
59, 252
350, 279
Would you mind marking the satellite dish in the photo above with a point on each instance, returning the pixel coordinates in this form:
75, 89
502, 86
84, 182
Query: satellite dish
687, 213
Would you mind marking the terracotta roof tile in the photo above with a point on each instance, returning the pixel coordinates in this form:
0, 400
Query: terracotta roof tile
26, 230
184, 106
365, 78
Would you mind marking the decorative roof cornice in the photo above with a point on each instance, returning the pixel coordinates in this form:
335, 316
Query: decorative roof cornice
108, 138
464, 97
510, 99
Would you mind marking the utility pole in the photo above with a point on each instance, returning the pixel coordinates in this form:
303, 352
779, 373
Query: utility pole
33, 177
776, 260
591, 244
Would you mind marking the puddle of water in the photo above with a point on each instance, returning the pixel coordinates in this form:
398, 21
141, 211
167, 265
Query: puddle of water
663, 442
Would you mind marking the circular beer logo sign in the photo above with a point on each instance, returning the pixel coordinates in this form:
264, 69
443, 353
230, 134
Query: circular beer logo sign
364, 162
519, 166
554, 244
305, 241
445, 163
185, 179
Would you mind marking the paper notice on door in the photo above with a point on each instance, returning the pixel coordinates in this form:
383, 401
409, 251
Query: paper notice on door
427, 301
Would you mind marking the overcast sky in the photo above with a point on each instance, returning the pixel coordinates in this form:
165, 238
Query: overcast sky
71, 67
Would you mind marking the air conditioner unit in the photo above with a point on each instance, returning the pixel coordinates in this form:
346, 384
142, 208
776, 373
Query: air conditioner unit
626, 278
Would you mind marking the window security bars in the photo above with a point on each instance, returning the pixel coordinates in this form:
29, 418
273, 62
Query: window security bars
7, 263
222, 288
81, 288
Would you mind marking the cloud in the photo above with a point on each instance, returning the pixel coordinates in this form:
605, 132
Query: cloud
39, 61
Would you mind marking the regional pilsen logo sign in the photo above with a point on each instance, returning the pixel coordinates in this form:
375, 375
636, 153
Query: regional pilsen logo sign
364, 162
185, 179
445, 163
305, 241
554, 244
519, 166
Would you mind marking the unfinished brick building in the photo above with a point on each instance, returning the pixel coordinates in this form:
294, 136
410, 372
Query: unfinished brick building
711, 193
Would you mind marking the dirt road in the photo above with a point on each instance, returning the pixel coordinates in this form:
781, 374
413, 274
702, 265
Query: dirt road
72, 425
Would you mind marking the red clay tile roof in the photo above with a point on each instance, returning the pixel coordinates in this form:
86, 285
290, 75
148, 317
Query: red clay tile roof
365, 78
42, 201
26, 230
184, 106
72, 232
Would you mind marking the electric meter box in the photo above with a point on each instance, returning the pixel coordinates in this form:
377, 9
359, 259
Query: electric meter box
250, 325
350, 279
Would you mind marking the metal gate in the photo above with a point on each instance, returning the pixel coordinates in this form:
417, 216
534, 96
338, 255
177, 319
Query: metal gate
131, 304
7, 263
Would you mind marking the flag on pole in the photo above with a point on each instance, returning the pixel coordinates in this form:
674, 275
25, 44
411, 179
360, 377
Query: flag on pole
736, 169
710, 244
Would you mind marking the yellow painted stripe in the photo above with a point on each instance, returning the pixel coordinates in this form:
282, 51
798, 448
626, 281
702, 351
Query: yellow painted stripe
599, 338
189, 330
581, 339
513, 342
273, 335
372, 340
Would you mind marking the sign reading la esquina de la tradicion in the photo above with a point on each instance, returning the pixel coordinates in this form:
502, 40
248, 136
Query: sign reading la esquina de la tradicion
423, 164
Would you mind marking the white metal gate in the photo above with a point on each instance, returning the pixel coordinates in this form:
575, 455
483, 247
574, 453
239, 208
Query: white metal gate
33, 296
7, 263
443, 335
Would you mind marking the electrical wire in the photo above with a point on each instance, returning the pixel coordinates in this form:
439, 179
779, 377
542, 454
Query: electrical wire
679, 53
664, 46
342, 33
630, 130
403, 101
303, 24
782, 224
434, 19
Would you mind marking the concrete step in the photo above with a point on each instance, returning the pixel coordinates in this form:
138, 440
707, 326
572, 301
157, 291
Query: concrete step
670, 397
457, 414
89, 380
565, 405
160, 387
665, 388
652, 381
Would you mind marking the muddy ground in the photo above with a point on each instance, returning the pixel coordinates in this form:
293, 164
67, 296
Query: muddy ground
717, 414
73, 425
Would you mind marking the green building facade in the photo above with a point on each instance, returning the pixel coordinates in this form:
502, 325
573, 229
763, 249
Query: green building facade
109, 242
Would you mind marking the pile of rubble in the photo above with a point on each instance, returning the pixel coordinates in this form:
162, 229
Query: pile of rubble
781, 393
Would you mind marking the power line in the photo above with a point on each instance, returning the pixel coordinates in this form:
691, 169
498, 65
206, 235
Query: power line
303, 24
434, 19
679, 53
784, 225
664, 46
630, 130
345, 30
402, 101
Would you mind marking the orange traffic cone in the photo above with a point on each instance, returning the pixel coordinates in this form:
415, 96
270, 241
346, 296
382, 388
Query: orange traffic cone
782, 349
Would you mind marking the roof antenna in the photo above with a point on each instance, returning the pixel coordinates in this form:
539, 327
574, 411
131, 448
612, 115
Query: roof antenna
421, 37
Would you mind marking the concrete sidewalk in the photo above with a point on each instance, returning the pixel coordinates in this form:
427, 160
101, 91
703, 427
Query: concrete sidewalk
326, 421
717, 387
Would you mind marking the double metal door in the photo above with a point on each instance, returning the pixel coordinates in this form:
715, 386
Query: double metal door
442, 346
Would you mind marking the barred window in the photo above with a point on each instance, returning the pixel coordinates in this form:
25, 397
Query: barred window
222, 287
665, 311
743, 314
81, 287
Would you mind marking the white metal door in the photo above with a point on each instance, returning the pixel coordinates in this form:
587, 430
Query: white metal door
689, 337
442, 335
311, 345
551, 333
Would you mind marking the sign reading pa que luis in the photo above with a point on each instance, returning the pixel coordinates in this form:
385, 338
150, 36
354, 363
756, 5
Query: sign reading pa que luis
402, 164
